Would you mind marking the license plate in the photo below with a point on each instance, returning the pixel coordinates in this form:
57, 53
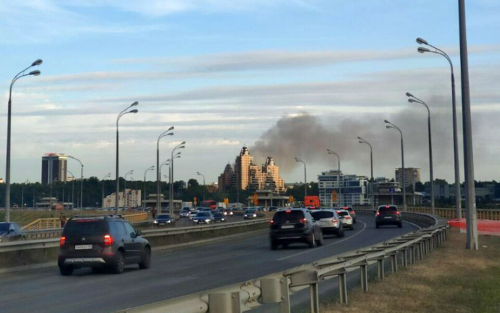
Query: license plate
83, 247
288, 226
388, 217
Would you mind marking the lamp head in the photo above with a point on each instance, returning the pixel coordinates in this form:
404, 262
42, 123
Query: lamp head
423, 50
169, 134
183, 142
171, 128
360, 138
182, 147
198, 173
133, 111
134, 104
34, 73
37, 62
422, 41
361, 141
387, 126
387, 122
410, 95
411, 100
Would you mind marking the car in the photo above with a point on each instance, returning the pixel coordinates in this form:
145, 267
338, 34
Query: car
273, 208
351, 212
292, 226
346, 219
203, 217
164, 219
185, 211
219, 217
249, 214
329, 221
11, 232
101, 242
228, 212
388, 215
192, 214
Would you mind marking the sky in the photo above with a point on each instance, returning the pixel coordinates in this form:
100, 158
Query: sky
287, 78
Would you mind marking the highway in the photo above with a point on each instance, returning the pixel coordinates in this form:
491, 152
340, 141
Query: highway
174, 272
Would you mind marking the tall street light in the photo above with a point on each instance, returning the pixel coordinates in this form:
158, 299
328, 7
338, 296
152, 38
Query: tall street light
305, 177
102, 183
413, 99
72, 189
125, 198
171, 177
339, 201
81, 178
458, 198
144, 186
388, 126
9, 115
361, 140
122, 113
158, 177
200, 174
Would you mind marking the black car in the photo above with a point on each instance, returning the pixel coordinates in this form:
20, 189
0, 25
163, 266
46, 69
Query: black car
11, 232
219, 217
164, 219
294, 225
388, 215
108, 242
204, 217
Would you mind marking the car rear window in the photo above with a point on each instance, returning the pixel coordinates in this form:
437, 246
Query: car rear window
85, 227
385, 209
343, 213
288, 216
321, 214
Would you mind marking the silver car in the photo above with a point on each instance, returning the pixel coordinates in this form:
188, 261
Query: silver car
329, 221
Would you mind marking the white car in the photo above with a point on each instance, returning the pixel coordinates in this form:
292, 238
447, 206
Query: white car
329, 222
346, 219
185, 212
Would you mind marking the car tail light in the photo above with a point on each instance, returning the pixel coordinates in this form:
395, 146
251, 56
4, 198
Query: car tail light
378, 213
62, 241
288, 211
272, 222
397, 212
334, 220
303, 221
347, 217
108, 240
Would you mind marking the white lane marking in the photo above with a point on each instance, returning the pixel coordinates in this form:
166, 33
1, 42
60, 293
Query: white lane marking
413, 224
333, 243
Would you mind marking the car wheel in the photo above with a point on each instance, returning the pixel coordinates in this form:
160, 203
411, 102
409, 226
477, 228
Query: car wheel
274, 245
312, 241
400, 225
146, 259
119, 264
354, 221
66, 270
340, 233
319, 242
377, 225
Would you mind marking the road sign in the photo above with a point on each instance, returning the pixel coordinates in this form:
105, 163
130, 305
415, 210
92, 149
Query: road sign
334, 196
226, 201
255, 199
392, 190
195, 200
290, 199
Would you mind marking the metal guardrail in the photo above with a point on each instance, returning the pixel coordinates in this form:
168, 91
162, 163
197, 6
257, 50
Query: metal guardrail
278, 287
43, 223
449, 213
54, 242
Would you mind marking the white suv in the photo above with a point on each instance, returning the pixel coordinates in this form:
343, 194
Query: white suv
329, 221
346, 219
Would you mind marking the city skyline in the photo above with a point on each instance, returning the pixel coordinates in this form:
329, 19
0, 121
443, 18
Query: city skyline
223, 87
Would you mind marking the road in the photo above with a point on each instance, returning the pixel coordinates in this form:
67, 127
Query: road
174, 272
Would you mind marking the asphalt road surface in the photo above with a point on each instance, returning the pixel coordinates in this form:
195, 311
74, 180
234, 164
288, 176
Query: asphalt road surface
174, 273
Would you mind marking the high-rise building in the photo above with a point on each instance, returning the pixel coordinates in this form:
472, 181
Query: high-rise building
411, 176
353, 189
246, 174
54, 168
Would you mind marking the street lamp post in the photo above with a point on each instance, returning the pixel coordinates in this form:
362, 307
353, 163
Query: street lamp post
390, 125
72, 189
81, 180
158, 177
125, 198
126, 111
458, 198
9, 117
102, 183
171, 177
339, 201
144, 186
413, 99
200, 174
361, 140
305, 177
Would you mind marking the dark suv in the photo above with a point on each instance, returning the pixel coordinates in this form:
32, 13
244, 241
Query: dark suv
294, 225
388, 215
100, 242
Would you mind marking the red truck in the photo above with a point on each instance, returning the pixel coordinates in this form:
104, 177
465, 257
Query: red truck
311, 201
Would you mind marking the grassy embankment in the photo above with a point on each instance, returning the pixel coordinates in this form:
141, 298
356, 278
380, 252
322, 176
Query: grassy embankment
450, 279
